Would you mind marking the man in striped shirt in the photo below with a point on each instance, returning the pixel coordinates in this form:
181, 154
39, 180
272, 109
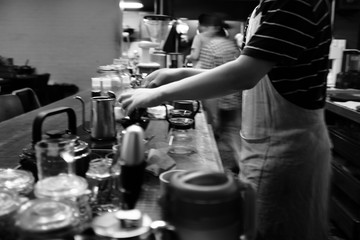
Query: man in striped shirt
285, 152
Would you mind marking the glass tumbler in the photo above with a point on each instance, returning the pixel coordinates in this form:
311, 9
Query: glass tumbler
104, 183
52, 157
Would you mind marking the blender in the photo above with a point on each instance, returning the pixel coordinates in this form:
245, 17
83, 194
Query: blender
153, 57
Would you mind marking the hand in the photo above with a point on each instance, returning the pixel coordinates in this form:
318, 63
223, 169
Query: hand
162, 76
139, 98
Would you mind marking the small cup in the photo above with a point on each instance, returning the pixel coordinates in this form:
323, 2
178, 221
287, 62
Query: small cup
165, 178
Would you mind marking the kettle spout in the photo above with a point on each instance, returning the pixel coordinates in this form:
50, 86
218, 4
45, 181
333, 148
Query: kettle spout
83, 113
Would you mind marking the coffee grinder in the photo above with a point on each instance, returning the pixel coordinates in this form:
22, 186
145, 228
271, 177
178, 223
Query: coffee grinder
152, 55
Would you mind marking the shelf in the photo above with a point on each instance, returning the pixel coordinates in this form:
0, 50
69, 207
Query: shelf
343, 111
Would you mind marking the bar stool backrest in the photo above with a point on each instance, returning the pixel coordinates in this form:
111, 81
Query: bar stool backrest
10, 106
28, 98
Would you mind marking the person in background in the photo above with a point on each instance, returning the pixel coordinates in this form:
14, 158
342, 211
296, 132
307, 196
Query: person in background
285, 149
204, 33
223, 113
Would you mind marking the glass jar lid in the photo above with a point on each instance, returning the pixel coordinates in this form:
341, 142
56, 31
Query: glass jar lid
9, 201
181, 122
61, 186
18, 180
99, 168
42, 215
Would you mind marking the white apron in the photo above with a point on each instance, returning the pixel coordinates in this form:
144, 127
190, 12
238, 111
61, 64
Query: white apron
286, 157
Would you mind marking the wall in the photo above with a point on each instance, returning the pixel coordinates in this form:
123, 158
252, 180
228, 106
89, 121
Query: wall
68, 39
347, 26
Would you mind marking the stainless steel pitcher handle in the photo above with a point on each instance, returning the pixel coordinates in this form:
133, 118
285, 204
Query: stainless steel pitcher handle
83, 114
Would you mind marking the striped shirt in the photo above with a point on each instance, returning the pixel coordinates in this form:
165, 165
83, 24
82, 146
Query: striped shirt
216, 52
296, 34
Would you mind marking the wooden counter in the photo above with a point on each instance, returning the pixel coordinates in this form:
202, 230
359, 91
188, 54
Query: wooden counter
16, 134
344, 129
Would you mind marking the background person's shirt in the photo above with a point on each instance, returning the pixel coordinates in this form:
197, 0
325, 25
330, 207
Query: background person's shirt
216, 52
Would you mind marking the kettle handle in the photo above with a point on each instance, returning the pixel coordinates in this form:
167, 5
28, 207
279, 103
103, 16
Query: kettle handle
197, 108
166, 113
39, 119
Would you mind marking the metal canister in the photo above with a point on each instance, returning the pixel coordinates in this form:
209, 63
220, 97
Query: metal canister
67, 187
9, 203
47, 219
17, 180
123, 224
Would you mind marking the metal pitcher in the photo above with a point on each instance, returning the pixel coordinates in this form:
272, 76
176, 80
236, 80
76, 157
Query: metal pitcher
102, 122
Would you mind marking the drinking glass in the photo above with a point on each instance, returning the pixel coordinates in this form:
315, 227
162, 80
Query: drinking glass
54, 156
104, 183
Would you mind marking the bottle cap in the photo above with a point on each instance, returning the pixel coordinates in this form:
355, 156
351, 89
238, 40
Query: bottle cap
132, 150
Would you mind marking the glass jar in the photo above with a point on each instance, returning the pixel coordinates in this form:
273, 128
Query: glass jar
47, 219
181, 136
103, 177
67, 187
9, 203
17, 180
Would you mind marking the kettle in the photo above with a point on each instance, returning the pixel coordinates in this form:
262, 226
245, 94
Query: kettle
102, 122
206, 205
81, 148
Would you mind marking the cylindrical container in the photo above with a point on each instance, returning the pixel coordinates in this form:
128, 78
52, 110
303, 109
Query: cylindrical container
17, 180
147, 68
67, 187
9, 203
209, 206
165, 178
103, 178
182, 139
132, 165
49, 156
47, 219
103, 125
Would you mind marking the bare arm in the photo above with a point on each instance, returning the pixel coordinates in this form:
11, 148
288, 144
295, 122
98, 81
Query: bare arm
168, 75
195, 49
243, 73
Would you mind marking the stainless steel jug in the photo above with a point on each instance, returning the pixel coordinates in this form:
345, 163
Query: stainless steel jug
102, 122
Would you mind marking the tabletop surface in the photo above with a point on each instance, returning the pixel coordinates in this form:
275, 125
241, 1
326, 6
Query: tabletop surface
16, 134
